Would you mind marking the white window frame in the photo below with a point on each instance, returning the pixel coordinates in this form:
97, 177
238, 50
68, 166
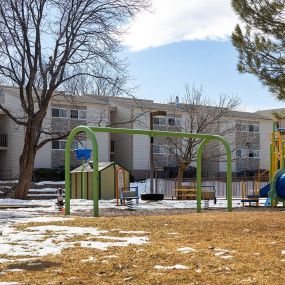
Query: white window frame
177, 121
244, 153
60, 115
61, 145
253, 125
160, 119
243, 127
255, 153
161, 149
81, 114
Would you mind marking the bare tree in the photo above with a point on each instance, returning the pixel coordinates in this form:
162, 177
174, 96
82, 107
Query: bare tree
200, 115
45, 44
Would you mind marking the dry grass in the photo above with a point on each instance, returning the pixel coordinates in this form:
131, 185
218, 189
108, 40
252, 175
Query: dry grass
254, 239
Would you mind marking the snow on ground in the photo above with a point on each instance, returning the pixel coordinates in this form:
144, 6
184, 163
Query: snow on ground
51, 239
176, 266
50, 183
186, 249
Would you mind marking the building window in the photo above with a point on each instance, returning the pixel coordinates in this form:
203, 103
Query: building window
241, 127
59, 144
253, 128
253, 153
161, 121
242, 153
174, 122
58, 113
78, 114
159, 149
112, 146
1, 92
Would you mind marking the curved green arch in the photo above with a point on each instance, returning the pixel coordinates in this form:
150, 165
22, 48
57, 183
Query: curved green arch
199, 172
95, 185
151, 133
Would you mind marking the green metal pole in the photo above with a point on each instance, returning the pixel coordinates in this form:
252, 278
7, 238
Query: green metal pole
95, 183
229, 173
84, 188
199, 174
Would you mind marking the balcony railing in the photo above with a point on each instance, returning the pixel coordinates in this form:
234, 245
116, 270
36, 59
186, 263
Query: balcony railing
3, 140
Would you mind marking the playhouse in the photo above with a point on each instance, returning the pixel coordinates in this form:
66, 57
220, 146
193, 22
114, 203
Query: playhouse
108, 172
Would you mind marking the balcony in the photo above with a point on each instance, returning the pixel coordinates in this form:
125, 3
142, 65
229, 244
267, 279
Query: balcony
3, 141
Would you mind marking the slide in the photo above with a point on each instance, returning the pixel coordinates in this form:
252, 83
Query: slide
263, 192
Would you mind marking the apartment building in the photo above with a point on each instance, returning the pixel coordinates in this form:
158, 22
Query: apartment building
64, 113
249, 139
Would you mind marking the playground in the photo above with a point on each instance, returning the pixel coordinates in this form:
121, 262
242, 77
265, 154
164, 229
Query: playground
162, 242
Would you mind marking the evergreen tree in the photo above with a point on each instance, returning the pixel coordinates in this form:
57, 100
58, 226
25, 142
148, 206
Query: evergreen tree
261, 41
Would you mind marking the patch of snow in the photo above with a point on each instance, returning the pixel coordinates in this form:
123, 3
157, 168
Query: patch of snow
105, 245
8, 181
171, 233
222, 253
176, 266
282, 251
50, 183
14, 270
186, 249
133, 232
51, 239
90, 259
9, 283
43, 190
4, 260
226, 256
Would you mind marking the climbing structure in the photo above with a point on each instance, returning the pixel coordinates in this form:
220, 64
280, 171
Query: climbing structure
277, 166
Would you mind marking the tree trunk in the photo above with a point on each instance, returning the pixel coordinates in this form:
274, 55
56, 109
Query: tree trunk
181, 169
26, 162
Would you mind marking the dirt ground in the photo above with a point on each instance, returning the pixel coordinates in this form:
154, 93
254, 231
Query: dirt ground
230, 248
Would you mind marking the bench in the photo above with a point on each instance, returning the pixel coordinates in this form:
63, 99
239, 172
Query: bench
251, 199
130, 195
185, 194
190, 193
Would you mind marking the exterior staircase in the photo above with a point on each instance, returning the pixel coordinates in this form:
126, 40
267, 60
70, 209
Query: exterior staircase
44, 192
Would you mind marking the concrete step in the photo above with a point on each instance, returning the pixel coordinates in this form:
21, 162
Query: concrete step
41, 196
38, 194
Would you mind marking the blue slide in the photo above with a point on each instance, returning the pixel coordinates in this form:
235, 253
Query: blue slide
263, 192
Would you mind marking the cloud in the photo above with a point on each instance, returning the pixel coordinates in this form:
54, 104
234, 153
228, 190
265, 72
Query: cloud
181, 20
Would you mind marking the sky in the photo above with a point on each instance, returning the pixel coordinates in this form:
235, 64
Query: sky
188, 41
